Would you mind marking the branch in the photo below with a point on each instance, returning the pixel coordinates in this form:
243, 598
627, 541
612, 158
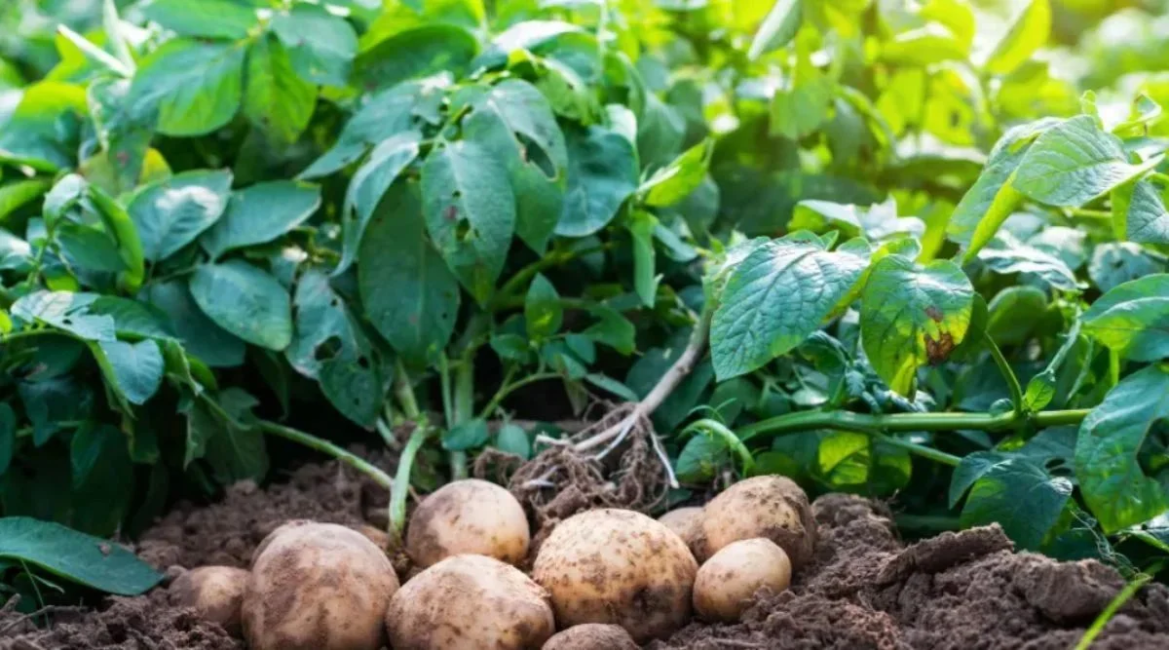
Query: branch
313, 442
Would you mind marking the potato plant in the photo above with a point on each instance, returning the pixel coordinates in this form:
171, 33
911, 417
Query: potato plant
878, 247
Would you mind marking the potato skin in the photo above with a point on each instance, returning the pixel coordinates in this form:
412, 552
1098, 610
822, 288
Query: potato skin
468, 517
317, 587
773, 507
591, 636
468, 602
620, 567
727, 581
216, 592
687, 523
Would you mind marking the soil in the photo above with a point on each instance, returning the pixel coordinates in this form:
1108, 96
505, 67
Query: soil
863, 589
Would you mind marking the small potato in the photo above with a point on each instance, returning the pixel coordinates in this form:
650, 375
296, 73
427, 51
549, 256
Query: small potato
317, 587
620, 567
216, 592
469, 602
765, 506
728, 580
591, 636
687, 523
469, 516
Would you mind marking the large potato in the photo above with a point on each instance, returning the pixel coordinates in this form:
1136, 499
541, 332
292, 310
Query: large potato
216, 592
727, 581
773, 507
469, 602
620, 567
469, 516
317, 587
591, 636
687, 523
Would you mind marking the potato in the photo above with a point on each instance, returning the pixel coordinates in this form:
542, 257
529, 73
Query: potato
687, 523
317, 587
620, 567
727, 581
216, 592
469, 602
591, 636
469, 516
765, 506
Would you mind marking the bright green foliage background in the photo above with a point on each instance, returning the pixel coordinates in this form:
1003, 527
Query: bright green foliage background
925, 244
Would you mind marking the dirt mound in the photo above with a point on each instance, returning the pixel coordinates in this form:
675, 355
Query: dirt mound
955, 591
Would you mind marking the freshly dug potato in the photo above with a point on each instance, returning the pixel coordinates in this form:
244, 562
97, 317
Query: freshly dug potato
765, 506
687, 523
591, 636
216, 592
469, 602
469, 516
620, 567
727, 581
317, 587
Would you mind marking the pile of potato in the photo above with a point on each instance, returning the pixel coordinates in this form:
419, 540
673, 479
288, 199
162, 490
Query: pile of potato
605, 578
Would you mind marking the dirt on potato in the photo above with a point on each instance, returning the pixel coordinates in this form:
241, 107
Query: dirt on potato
863, 589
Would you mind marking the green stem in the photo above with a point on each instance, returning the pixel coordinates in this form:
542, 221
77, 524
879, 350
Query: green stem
464, 411
1114, 606
719, 430
401, 487
444, 377
313, 442
935, 455
404, 391
1159, 177
1007, 372
28, 334
1089, 214
504, 296
509, 388
903, 422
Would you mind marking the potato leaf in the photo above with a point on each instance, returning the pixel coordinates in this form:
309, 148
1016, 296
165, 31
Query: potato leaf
1133, 319
80, 558
245, 301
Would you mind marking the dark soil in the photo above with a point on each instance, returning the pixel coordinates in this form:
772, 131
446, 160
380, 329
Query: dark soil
863, 589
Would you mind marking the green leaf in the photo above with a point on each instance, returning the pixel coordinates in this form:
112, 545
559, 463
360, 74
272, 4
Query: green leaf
66, 311
519, 124
320, 46
513, 440
645, 282
1113, 264
134, 370
799, 111
469, 208
89, 248
778, 28
77, 557
1015, 313
7, 436
44, 129
172, 213
234, 449
542, 311
924, 46
879, 222
465, 435
276, 99
1022, 496
993, 198
1133, 319
608, 384
418, 52
1007, 255
1074, 162
245, 301
123, 133
912, 315
1114, 485
196, 87
602, 173
200, 335
1028, 33
205, 18
408, 293
701, 459
133, 319
778, 296
387, 161
260, 214
330, 346
1139, 213
680, 178
103, 478
611, 329
15, 195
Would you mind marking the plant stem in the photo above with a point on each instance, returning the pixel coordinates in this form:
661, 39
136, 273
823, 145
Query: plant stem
28, 334
401, 486
1007, 372
935, 455
404, 391
868, 423
1122, 597
719, 430
464, 410
444, 375
1089, 214
1159, 177
509, 388
523, 276
313, 442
